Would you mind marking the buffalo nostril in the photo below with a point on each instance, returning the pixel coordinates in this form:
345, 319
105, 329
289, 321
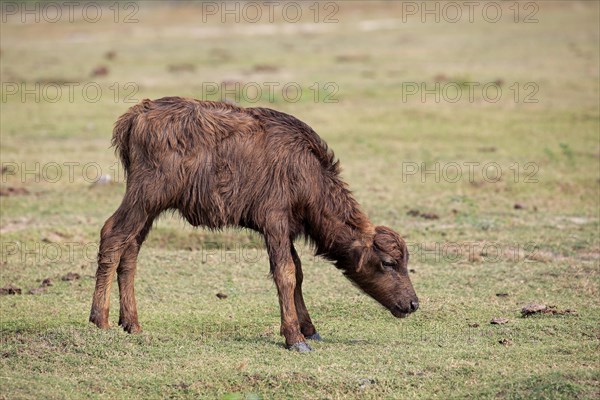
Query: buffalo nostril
414, 305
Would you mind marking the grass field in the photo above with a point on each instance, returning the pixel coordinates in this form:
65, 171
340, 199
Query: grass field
381, 86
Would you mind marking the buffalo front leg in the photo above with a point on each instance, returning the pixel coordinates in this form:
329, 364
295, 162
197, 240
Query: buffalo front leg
284, 274
306, 326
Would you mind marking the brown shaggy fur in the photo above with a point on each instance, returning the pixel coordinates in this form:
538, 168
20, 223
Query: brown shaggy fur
221, 165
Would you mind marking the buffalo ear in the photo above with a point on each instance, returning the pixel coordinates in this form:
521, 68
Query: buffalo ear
405, 255
388, 240
384, 237
360, 254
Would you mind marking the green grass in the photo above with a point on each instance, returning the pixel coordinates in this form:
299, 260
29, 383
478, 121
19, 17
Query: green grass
196, 345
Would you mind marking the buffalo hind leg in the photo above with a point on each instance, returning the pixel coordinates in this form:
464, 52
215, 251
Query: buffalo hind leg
116, 237
306, 326
108, 260
128, 318
284, 274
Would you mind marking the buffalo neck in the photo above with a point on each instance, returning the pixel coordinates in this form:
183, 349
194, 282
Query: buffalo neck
335, 222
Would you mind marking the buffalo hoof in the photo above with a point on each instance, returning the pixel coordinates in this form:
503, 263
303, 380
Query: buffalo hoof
101, 321
315, 337
300, 347
131, 327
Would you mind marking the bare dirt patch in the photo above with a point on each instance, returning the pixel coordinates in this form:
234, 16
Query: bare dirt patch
13, 191
100, 70
38, 290
71, 276
265, 68
424, 215
15, 225
535, 308
177, 68
42, 288
10, 289
346, 58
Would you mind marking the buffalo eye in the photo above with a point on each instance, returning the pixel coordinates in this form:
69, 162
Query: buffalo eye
388, 264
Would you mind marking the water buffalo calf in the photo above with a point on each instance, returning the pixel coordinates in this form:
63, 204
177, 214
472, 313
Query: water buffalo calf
222, 165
